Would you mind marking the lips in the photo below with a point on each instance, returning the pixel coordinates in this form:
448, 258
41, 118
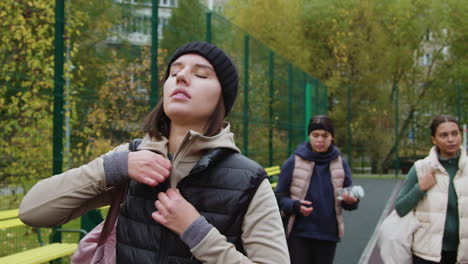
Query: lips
180, 93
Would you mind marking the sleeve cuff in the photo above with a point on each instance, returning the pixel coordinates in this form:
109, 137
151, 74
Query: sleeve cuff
116, 168
296, 207
196, 232
350, 207
419, 193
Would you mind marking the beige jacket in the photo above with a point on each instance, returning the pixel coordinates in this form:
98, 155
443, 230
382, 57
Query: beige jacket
431, 210
61, 198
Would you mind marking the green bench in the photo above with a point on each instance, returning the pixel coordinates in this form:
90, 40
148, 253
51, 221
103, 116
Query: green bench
7, 214
4, 224
42, 254
9, 218
273, 171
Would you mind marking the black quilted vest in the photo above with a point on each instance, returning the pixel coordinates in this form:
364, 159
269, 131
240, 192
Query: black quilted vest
220, 187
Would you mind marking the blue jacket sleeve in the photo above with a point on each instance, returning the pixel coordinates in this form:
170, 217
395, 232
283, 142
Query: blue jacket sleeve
285, 202
348, 181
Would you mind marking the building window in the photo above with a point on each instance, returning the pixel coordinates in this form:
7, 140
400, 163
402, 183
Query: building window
428, 35
147, 25
426, 59
168, 3
445, 51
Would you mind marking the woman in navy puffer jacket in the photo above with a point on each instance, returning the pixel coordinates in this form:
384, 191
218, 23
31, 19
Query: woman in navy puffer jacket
307, 192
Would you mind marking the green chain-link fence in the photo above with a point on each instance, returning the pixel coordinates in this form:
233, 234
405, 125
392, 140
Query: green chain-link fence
86, 77
401, 129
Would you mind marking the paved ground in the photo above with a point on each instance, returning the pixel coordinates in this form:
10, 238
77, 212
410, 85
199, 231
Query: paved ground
360, 224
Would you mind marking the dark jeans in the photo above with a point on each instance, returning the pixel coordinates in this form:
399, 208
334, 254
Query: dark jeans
311, 251
448, 257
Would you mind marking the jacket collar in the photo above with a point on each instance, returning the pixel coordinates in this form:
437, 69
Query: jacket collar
224, 139
434, 158
192, 150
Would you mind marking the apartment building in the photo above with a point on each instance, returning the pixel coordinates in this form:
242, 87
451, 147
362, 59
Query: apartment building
136, 20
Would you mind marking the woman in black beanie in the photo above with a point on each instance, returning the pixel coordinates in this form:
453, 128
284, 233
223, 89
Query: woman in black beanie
192, 197
307, 192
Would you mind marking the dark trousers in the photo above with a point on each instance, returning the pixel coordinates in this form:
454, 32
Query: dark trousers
448, 257
311, 251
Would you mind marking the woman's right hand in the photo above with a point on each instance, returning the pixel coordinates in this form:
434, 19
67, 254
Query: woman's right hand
306, 207
148, 167
427, 181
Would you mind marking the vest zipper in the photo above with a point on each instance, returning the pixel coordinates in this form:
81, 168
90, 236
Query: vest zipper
162, 245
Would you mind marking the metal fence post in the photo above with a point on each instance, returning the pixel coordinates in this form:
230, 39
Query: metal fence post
154, 54
290, 87
308, 109
325, 99
246, 95
58, 95
317, 97
271, 74
208, 27
348, 127
397, 159
459, 115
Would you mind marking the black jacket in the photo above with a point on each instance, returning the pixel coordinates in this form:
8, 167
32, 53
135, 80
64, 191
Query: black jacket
220, 187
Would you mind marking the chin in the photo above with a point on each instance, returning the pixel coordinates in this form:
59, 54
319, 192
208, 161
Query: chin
177, 115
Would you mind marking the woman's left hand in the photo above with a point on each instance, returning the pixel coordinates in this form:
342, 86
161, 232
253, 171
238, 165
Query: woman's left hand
174, 212
349, 199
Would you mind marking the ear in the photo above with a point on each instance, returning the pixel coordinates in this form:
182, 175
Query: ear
433, 141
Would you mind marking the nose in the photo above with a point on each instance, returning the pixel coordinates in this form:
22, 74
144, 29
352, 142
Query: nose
451, 138
182, 76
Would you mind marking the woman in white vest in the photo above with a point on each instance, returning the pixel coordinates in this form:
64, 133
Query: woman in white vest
436, 189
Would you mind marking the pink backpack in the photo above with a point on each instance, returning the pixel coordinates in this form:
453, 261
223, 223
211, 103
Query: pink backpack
98, 246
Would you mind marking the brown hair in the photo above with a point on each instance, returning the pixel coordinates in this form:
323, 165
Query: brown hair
442, 119
157, 124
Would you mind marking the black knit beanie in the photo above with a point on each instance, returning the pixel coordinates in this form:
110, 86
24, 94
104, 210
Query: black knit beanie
321, 122
224, 67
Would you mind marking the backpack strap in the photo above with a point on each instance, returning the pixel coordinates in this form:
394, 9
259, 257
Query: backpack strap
118, 196
133, 146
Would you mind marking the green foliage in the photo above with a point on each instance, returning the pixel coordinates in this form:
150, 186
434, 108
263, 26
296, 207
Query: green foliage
187, 23
121, 104
372, 47
93, 59
26, 57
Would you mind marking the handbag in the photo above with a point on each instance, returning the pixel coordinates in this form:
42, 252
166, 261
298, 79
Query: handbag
98, 246
396, 238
